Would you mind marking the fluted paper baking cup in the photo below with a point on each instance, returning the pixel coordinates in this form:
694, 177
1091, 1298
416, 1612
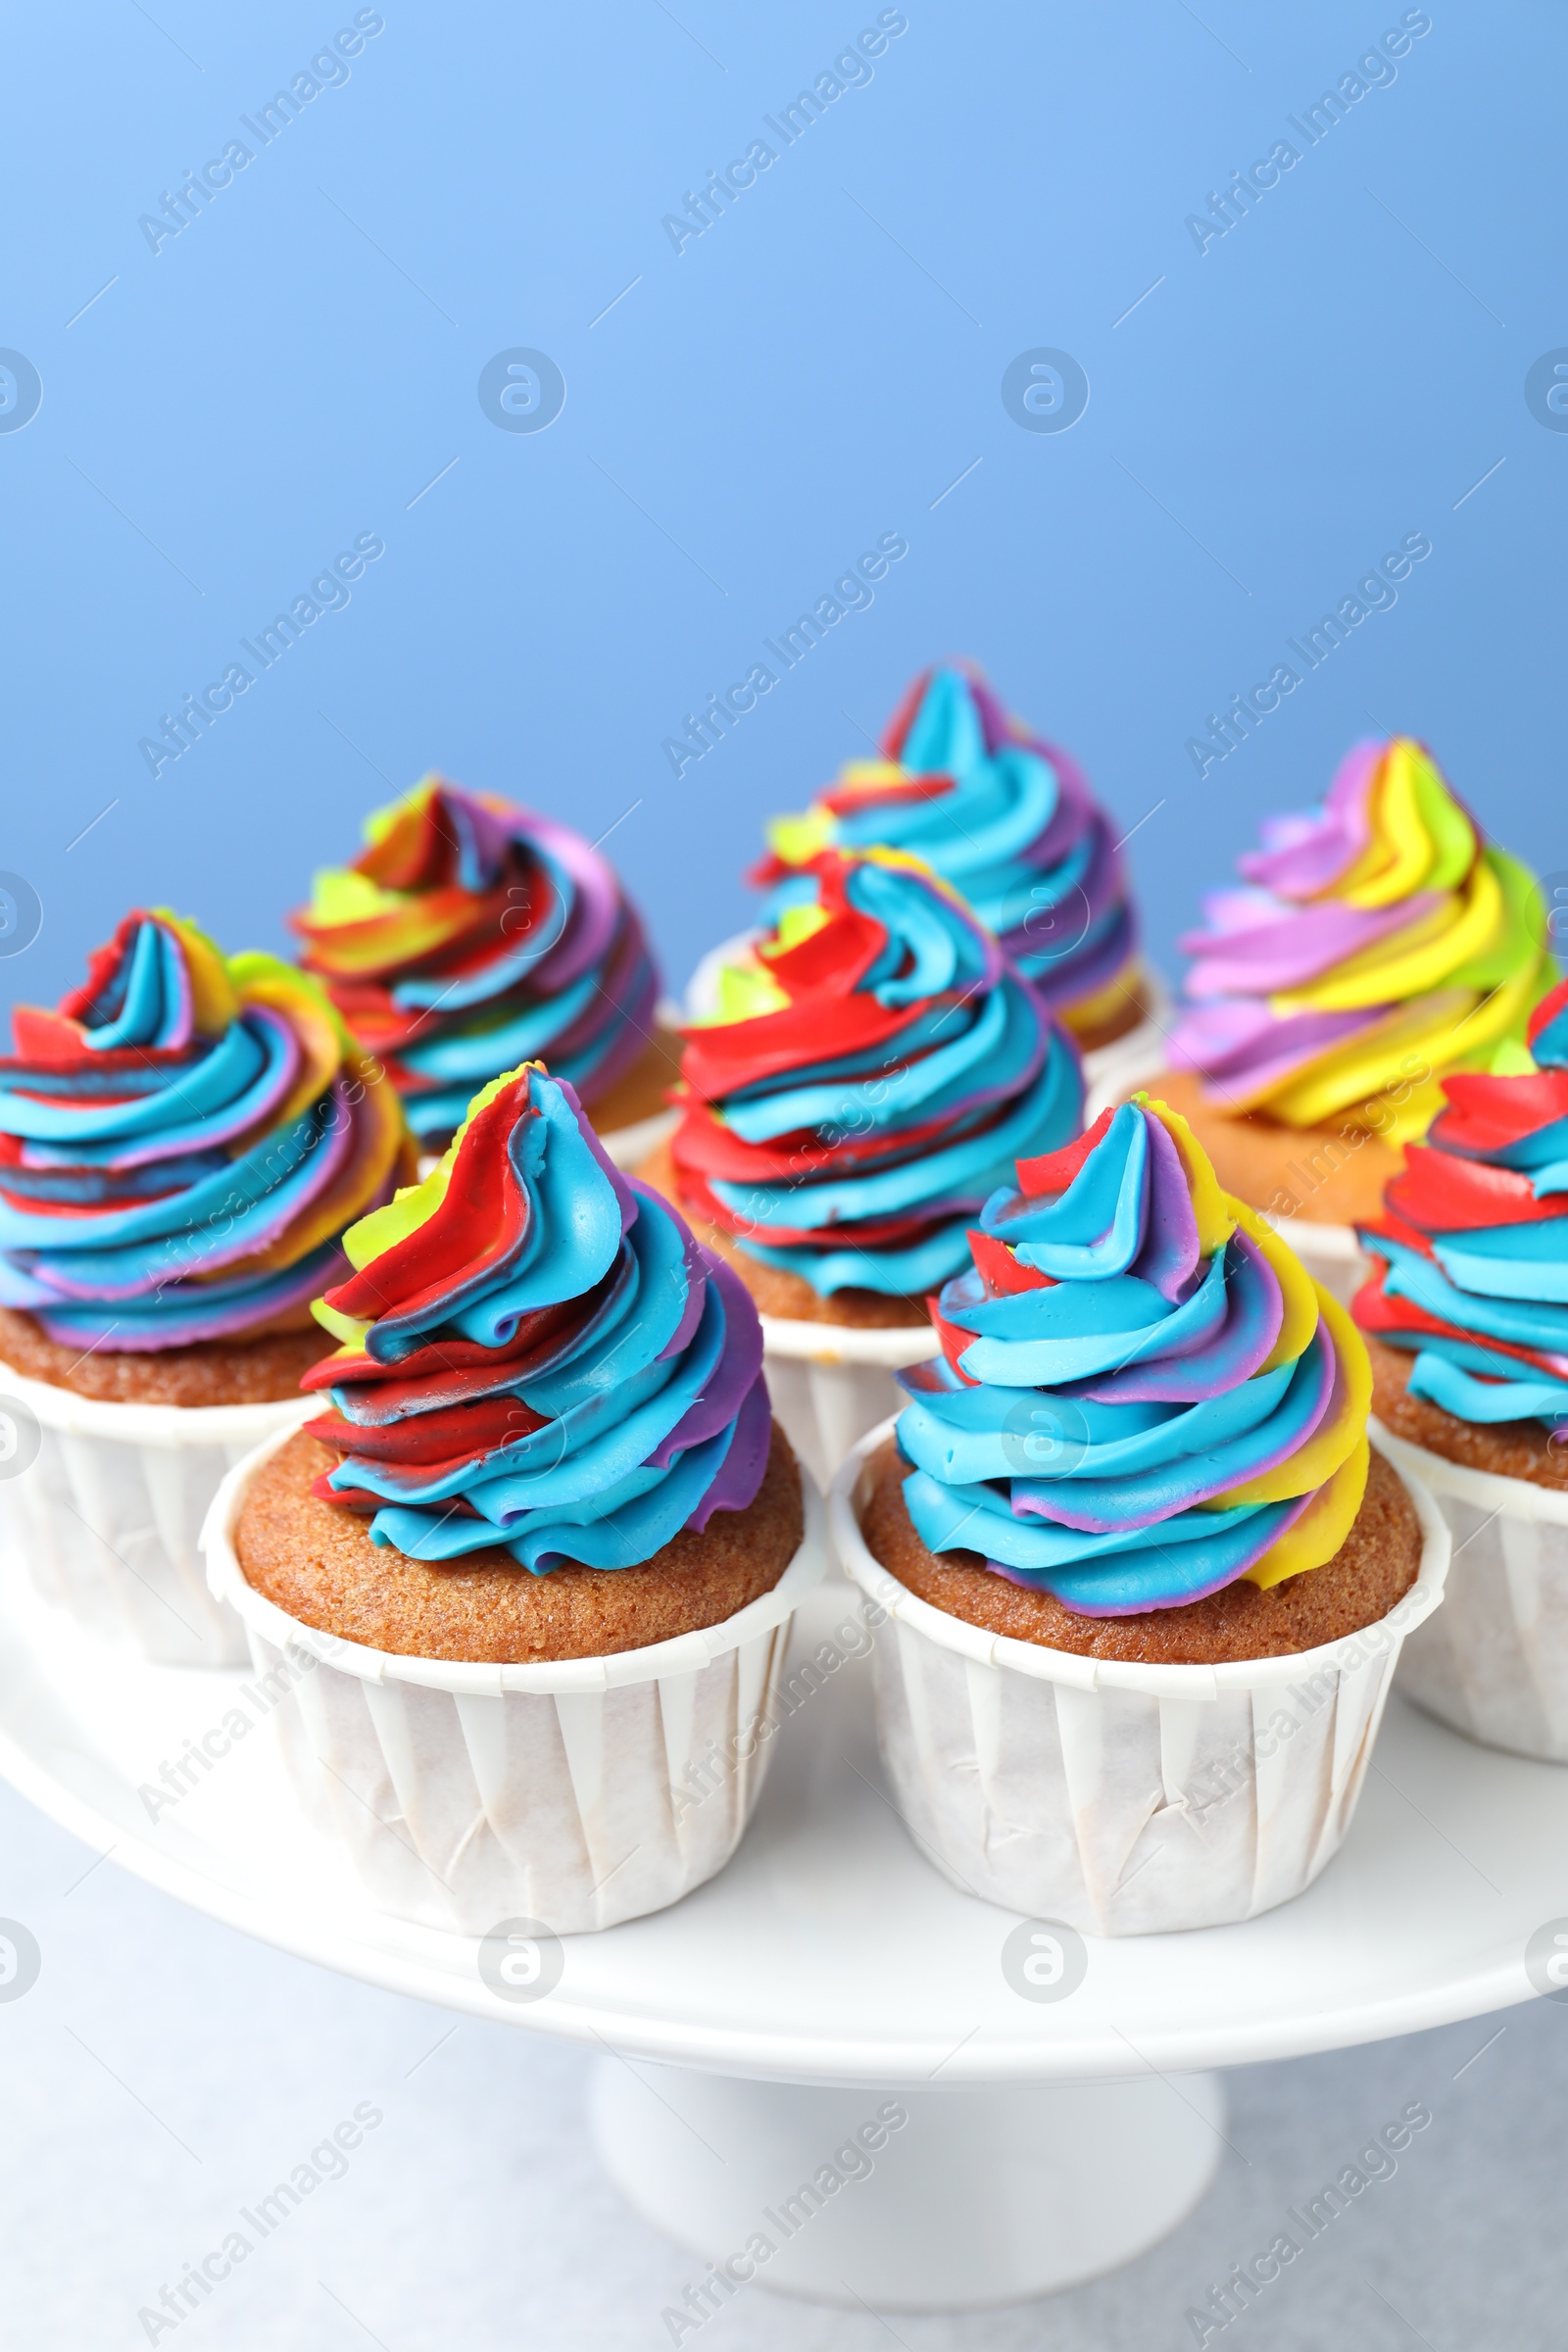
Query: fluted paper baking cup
701, 996
577, 1794
1125, 1799
105, 1520
832, 1381
1495, 1663
1114, 1071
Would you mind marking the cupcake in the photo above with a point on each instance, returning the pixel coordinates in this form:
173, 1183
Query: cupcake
182, 1141
1378, 943
1008, 820
537, 1557
874, 1067
1466, 1320
472, 935
1137, 1478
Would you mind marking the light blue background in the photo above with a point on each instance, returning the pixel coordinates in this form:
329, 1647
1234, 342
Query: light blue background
814, 371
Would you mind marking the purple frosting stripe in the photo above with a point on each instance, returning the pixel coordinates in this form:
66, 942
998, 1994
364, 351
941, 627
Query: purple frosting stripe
1298, 947
1254, 1309
1319, 858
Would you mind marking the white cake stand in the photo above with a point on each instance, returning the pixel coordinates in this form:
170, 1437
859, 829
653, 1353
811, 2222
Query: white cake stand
762, 2039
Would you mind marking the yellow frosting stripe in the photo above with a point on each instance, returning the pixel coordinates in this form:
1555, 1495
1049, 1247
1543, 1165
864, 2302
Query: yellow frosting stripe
1213, 1209
871, 775
1086, 1014
797, 923
905, 862
214, 1001
1454, 836
1421, 838
1341, 1429
1517, 946
261, 979
338, 894
745, 993
1315, 1538
1399, 852
269, 979
413, 1205
1410, 1121
1400, 1047
1419, 957
747, 990
1410, 1052
800, 839
380, 821
360, 1178
1440, 991
1297, 1287
410, 1207
342, 1327
1503, 1012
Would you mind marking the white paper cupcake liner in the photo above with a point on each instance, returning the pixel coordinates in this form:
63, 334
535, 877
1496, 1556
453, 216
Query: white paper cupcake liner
1125, 1799
701, 999
1112, 1072
1493, 1664
577, 1794
831, 1382
106, 1521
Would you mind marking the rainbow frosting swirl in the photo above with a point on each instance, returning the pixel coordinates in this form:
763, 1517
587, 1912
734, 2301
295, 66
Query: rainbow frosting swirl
182, 1141
537, 1355
1142, 1396
874, 1067
1473, 1248
1006, 818
1382, 942
472, 935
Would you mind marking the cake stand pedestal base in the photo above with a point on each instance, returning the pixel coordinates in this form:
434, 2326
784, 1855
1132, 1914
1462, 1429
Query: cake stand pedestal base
979, 2196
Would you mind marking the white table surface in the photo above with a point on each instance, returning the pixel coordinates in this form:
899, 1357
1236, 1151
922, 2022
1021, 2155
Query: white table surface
166, 2071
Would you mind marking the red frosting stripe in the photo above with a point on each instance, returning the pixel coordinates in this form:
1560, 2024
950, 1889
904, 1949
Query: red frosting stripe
451, 1370
718, 1061
450, 1435
1486, 1113
481, 1221
1050, 1172
1437, 1192
1375, 1311
827, 1017
704, 1143
1546, 1011
999, 1269
868, 1231
895, 733
845, 799
47, 1039
954, 1342
403, 938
